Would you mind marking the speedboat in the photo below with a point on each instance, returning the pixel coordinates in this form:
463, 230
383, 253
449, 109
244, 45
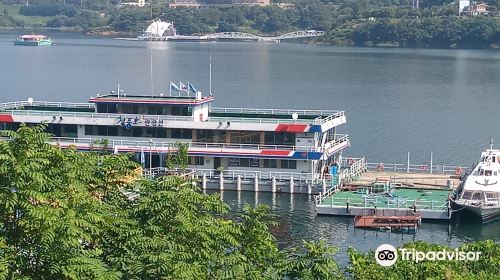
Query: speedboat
479, 191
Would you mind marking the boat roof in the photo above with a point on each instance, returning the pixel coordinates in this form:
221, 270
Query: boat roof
33, 36
154, 100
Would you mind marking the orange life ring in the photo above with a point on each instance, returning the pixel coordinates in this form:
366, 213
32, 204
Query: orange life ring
350, 161
458, 171
380, 167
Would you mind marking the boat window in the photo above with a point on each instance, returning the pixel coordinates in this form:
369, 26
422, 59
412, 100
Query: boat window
270, 163
467, 195
477, 196
491, 196
495, 173
481, 172
487, 173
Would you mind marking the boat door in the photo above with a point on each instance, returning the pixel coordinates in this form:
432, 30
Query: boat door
217, 162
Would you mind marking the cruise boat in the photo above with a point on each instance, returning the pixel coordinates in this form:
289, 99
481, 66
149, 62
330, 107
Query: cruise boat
33, 40
283, 144
479, 192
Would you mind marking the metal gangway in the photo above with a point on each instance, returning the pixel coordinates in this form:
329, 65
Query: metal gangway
273, 39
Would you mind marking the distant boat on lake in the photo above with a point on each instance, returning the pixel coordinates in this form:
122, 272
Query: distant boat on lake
33, 40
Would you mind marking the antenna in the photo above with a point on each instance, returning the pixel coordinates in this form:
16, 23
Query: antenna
210, 77
151, 69
491, 143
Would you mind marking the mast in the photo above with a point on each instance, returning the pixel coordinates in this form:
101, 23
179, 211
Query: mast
151, 69
491, 143
210, 77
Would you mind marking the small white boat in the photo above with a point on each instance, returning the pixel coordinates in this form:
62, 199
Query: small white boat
479, 192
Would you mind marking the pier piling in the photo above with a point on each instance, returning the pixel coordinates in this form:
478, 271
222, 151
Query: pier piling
238, 183
291, 185
256, 184
273, 184
221, 182
204, 182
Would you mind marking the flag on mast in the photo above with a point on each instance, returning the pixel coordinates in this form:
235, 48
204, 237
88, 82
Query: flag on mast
174, 87
182, 86
192, 88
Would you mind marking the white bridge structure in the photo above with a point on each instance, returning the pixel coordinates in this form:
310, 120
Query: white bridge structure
276, 39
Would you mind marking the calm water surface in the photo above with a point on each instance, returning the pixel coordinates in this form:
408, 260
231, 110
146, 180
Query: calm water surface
397, 101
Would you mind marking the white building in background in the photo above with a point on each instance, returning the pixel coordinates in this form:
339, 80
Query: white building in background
158, 30
139, 3
472, 8
461, 5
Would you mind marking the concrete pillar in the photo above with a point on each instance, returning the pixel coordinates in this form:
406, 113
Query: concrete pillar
238, 183
256, 184
221, 182
204, 182
273, 184
324, 186
291, 185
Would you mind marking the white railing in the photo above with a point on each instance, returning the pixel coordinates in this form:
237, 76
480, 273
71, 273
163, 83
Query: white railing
21, 104
224, 120
390, 203
322, 120
117, 117
356, 169
171, 144
416, 168
260, 175
259, 120
335, 141
274, 111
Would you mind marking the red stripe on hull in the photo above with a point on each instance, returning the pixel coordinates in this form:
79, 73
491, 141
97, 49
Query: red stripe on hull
6, 118
291, 128
274, 153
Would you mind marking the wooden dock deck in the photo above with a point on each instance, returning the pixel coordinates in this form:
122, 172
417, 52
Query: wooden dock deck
388, 222
411, 180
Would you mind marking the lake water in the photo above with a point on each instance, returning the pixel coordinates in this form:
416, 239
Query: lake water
396, 100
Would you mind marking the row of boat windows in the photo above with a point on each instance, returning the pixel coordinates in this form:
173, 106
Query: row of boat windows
240, 162
485, 172
266, 163
478, 195
205, 136
143, 109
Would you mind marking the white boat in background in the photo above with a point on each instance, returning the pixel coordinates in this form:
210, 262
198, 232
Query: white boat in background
479, 193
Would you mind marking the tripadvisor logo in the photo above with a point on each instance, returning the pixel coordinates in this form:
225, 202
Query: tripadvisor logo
387, 255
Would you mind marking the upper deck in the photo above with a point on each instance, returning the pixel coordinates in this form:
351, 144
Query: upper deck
169, 111
197, 99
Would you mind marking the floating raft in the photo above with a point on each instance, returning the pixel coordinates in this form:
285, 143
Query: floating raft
430, 204
394, 223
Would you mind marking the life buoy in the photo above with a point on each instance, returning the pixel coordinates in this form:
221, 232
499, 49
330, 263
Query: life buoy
458, 171
380, 167
128, 126
350, 161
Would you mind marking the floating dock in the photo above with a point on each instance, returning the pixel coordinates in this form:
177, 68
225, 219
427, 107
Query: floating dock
393, 223
428, 203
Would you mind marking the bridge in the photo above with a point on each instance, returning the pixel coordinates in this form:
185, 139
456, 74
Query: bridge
276, 39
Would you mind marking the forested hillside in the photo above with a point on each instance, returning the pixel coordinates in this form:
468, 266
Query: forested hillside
347, 22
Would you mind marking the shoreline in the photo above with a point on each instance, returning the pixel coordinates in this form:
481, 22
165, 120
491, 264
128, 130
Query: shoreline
130, 35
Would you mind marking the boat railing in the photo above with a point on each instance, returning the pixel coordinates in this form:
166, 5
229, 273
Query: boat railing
418, 168
389, 203
121, 117
260, 120
21, 104
274, 111
321, 120
115, 116
335, 141
299, 177
152, 145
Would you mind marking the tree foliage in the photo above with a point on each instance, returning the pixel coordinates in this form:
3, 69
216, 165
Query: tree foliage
65, 214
